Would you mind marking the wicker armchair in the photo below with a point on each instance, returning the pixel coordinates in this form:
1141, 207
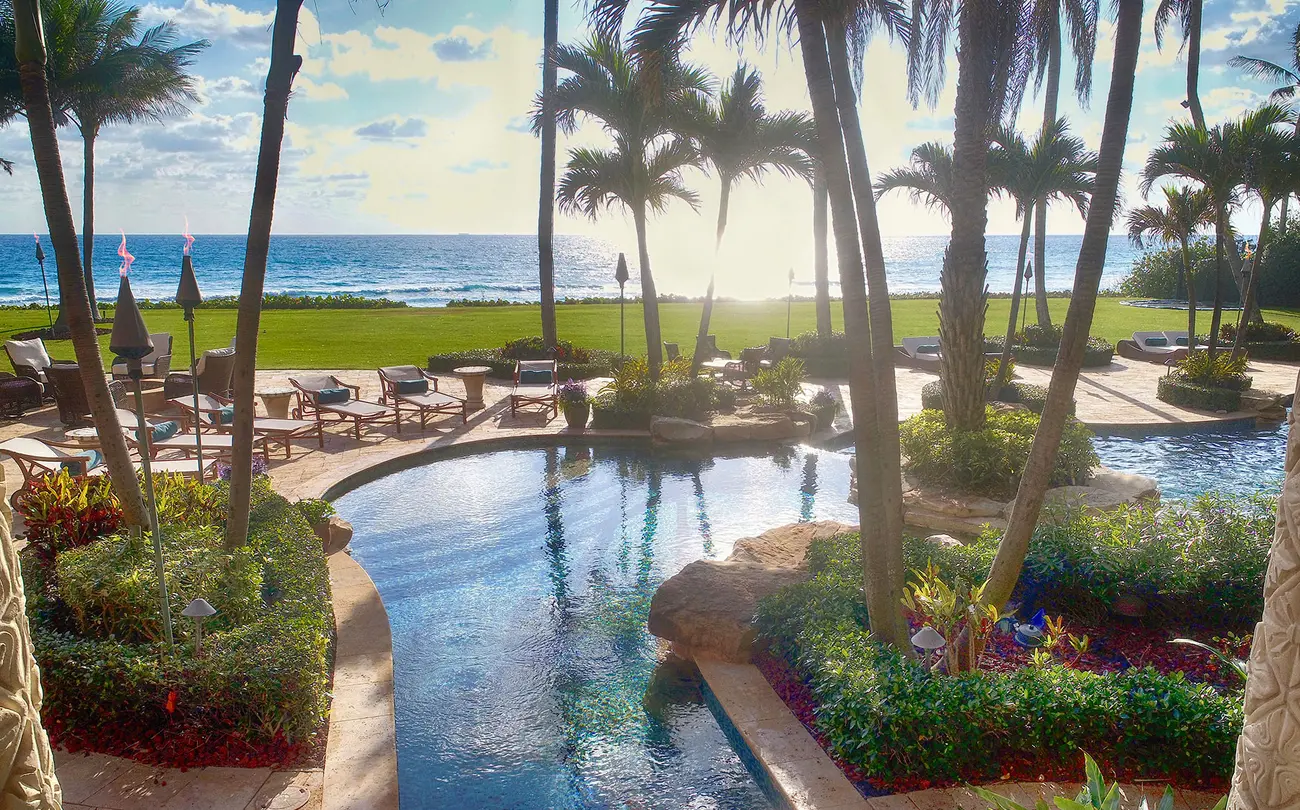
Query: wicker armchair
214, 370
69, 393
30, 360
155, 365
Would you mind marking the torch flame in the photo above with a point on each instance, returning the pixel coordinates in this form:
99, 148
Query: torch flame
127, 258
37, 237
189, 240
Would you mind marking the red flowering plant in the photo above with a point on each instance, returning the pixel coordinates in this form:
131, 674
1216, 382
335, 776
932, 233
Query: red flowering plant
62, 511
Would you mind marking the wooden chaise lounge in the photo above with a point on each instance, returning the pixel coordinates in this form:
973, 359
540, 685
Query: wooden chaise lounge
322, 395
418, 389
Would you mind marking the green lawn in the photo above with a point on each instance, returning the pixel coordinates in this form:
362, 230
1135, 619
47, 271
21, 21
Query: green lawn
371, 338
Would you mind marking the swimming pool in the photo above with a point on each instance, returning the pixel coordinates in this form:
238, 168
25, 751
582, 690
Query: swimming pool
518, 584
1229, 459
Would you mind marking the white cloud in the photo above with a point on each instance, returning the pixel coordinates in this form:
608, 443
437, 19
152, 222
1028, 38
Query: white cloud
215, 20
323, 91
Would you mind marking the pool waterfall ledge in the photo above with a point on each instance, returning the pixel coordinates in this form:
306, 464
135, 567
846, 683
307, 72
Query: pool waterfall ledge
361, 755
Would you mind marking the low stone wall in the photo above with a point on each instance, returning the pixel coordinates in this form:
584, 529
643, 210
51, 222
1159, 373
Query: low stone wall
741, 426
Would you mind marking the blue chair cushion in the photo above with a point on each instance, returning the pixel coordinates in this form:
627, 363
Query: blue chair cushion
412, 386
163, 431
1182, 341
79, 467
332, 396
226, 416
1156, 341
534, 377
927, 349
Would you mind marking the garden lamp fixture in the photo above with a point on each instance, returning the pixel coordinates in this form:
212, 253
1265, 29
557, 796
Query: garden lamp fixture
1030, 634
189, 297
198, 610
40, 259
928, 639
130, 340
620, 275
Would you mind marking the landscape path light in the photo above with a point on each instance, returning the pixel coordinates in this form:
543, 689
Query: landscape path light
198, 610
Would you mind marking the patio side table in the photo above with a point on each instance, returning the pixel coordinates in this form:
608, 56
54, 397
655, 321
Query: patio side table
276, 401
473, 377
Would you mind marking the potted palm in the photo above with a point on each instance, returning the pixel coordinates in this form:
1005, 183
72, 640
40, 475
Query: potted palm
824, 406
575, 403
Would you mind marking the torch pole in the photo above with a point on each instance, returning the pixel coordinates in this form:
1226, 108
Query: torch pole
194, 378
155, 528
622, 340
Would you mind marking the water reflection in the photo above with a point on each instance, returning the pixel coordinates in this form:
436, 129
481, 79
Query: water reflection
518, 585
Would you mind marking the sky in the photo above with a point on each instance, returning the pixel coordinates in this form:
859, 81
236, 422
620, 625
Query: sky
412, 119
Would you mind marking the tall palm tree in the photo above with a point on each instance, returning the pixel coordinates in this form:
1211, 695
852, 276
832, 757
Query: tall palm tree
1288, 80
1217, 160
108, 72
279, 83
1010, 556
1271, 173
821, 258
546, 196
1080, 19
25, 36
738, 139
1185, 212
1189, 13
1056, 166
641, 111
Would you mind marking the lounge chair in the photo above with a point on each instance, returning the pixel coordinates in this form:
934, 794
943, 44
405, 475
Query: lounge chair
219, 445
155, 365
536, 384
1178, 338
36, 458
409, 385
711, 350
214, 370
217, 414
750, 363
320, 395
1152, 347
30, 360
922, 353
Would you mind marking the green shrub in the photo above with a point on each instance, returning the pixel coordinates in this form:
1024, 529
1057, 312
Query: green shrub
262, 682
594, 362
1039, 345
1155, 274
1178, 390
315, 510
185, 502
63, 512
1223, 371
823, 356
779, 386
989, 461
631, 398
1279, 273
893, 718
1259, 332
110, 587
1033, 397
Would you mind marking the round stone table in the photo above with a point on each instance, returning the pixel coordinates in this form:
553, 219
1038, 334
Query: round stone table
85, 436
473, 377
276, 401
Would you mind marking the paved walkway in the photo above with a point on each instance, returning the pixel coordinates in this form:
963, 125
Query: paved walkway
1121, 395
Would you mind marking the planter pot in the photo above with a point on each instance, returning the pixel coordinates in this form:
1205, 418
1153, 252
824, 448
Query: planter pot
575, 416
825, 418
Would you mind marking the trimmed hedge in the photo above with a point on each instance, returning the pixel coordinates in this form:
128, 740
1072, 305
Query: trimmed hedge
1033, 397
822, 356
1176, 389
894, 719
257, 695
1098, 353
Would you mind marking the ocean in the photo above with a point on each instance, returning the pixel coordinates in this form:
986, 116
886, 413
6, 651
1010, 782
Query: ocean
429, 271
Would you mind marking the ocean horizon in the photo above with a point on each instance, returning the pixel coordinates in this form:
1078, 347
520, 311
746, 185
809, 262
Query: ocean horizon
429, 271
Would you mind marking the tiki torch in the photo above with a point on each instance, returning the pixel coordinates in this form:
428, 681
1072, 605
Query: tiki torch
620, 275
40, 259
188, 296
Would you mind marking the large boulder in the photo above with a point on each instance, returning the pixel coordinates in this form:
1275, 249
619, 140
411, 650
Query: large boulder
672, 430
786, 546
753, 427
707, 609
1267, 405
1134, 488
335, 534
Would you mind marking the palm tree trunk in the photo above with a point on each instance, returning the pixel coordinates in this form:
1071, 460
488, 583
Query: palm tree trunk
30, 51
1051, 95
649, 298
1004, 363
1083, 302
1216, 319
1248, 304
1194, 63
885, 387
821, 261
724, 202
1189, 273
884, 612
546, 201
964, 297
88, 135
279, 82
1268, 749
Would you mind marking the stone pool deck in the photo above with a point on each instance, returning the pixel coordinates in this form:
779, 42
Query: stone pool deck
363, 743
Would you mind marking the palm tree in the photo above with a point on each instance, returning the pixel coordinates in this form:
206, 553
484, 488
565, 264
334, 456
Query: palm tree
1188, 13
821, 258
103, 75
1080, 18
1217, 160
1288, 79
927, 178
739, 139
1271, 172
1185, 212
1056, 166
1078, 320
279, 82
25, 35
641, 111
546, 197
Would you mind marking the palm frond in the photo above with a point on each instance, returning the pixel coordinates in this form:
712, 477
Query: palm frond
7, 166
1264, 70
593, 182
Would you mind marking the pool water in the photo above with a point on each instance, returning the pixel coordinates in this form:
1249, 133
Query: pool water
518, 584
1230, 460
